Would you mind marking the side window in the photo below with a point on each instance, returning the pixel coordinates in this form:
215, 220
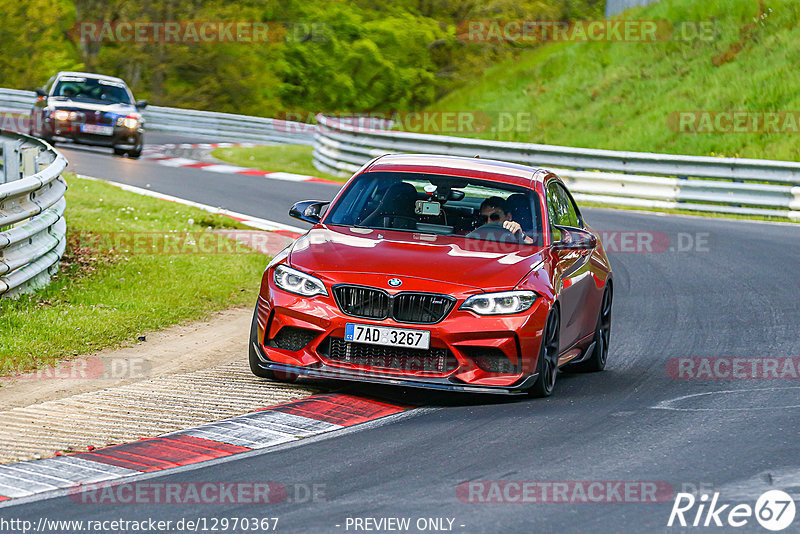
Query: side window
573, 216
561, 209
555, 210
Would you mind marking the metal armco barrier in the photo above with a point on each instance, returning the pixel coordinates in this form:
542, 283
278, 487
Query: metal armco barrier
610, 177
638, 179
221, 126
32, 225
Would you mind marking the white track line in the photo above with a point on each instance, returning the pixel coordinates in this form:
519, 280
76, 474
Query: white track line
255, 222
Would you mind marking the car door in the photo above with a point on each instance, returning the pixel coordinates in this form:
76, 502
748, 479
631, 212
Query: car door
572, 271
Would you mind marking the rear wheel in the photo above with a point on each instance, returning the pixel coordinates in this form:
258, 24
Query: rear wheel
255, 368
547, 363
602, 337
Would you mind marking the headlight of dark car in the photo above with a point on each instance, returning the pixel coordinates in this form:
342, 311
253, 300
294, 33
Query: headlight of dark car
129, 122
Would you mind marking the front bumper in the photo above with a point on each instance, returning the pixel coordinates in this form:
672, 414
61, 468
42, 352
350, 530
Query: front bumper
122, 137
465, 336
329, 372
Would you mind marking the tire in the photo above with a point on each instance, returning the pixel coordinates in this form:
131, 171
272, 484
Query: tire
119, 151
136, 152
254, 360
547, 362
602, 337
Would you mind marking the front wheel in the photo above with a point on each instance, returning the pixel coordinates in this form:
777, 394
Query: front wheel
602, 338
547, 362
254, 360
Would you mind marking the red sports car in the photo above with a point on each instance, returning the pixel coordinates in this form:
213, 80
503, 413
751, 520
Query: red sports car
438, 272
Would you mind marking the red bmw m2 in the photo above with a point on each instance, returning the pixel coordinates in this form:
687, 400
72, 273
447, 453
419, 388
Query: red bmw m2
438, 272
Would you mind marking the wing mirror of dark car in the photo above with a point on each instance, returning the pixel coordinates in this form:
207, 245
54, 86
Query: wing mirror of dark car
309, 211
40, 92
575, 239
141, 104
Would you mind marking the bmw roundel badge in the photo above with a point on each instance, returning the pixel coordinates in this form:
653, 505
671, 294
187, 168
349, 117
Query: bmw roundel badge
395, 282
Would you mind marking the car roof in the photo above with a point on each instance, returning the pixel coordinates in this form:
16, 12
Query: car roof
487, 169
90, 75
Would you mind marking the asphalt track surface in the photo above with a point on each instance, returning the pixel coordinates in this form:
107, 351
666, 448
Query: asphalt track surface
735, 294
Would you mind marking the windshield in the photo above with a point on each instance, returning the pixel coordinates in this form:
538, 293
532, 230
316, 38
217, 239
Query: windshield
441, 205
92, 89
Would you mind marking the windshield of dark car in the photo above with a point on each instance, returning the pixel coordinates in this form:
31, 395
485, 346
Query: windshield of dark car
92, 90
407, 202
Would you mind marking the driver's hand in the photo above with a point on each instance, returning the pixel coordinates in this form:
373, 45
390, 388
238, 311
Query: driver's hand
512, 226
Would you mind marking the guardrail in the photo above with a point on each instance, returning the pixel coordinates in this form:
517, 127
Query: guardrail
32, 225
220, 126
637, 179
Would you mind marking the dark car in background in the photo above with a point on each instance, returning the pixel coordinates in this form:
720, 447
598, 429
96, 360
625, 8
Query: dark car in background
90, 109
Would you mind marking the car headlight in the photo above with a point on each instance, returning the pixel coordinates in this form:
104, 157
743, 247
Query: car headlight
502, 303
298, 282
128, 122
61, 115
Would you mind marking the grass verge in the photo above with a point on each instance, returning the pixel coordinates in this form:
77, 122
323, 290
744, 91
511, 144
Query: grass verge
722, 56
105, 296
283, 158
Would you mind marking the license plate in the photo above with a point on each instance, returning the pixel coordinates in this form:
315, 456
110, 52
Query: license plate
99, 129
387, 335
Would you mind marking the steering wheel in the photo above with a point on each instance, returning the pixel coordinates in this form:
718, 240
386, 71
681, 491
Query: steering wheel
494, 232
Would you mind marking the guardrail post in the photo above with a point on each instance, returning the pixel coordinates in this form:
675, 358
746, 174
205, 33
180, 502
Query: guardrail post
3, 178
10, 161
30, 162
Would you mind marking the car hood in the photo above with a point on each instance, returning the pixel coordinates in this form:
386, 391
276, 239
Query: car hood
77, 105
454, 260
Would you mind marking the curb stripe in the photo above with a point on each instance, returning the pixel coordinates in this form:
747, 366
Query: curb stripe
156, 154
273, 425
118, 462
343, 410
221, 449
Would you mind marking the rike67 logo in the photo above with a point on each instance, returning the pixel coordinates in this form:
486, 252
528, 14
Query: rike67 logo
774, 510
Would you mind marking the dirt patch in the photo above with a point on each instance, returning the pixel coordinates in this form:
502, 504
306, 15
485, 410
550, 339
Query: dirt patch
179, 349
176, 379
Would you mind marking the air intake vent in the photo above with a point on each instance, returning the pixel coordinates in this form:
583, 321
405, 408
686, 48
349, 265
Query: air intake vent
405, 307
433, 360
491, 360
365, 302
293, 338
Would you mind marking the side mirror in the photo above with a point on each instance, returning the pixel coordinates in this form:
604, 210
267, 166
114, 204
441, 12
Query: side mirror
575, 239
309, 211
40, 92
141, 104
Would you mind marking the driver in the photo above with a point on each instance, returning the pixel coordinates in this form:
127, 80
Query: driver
494, 211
